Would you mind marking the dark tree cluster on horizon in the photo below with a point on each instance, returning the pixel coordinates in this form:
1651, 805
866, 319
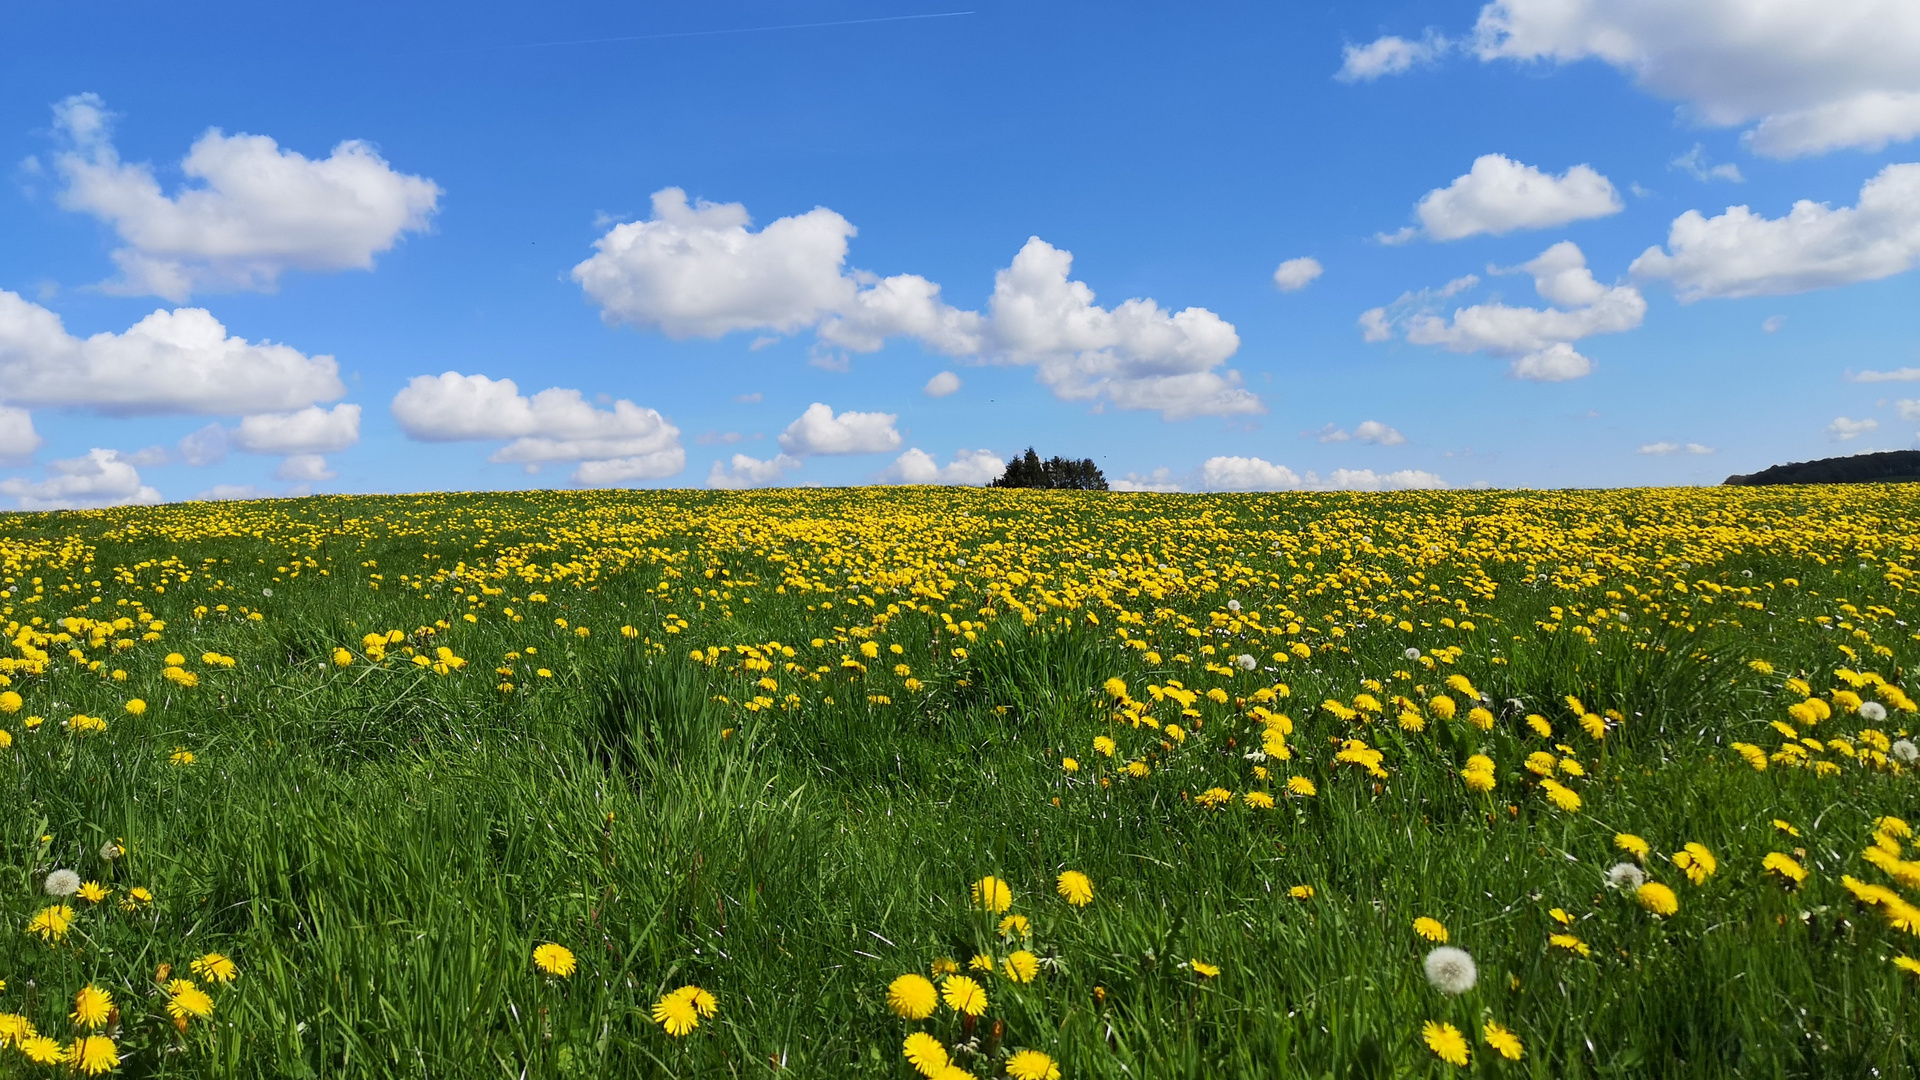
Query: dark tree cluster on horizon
1028, 471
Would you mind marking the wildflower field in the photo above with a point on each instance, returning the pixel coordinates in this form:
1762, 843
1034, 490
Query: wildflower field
963, 783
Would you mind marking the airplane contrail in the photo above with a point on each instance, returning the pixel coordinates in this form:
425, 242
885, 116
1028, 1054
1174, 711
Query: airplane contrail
714, 33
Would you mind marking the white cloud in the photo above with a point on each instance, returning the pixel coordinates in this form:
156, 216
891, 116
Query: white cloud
968, 467
698, 271
754, 398
179, 361
1696, 164
1905, 374
1160, 480
1662, 449
1740, 253
1843, 429
101, 478
253, 211
1373, 431
1772, 324
18, 440
229, 492
1389, 55
1499, 195
1246, 474
312, 430
1332, 432
1817, 76
304, 468
1539, 341
750, 472
819, 431
941, 385
207, 446
1297, 274
623, 443
1368, 480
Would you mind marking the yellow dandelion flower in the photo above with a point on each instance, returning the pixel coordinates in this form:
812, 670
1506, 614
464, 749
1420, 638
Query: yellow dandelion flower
215, 968
964, 995
91, 1006
1258, 800
1562, 796
993, 894
93, 892
42, 1050
1075, 887
1893, 826
1301, 786
926, 1054
1907, 964
912, 997
50, 923
184, 999
1069, 764
180, 756
1632, 845
94, 1054
942, 966
14, 1028
675, 1013
1431, 929
136, 707
1785, 867
1697, 861
1021, 966
1301, 892
554, 959
1015, 924
1032, 1065
980, 962
1204, 969
1570, 943
1657, 898
1504, 1042
1103, 745
1446, 1042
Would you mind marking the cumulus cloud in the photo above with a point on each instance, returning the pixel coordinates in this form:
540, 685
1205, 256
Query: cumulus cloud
1772, 324
1843, 429
699, 270
1500, 195
1373, 431
1816, 76
232, 492
1741, 253
1297, 274
100, 478
1905, 374
941, 385
251, 211
624, 443
1539, 341
819, 431
1663, 449
1909, 408
1389, 55
179, 361
1160, 480
312, 430
750, 472
207, 446
1246, 474
1696, 164
968, 467
1368, 480
304, 468
18, 440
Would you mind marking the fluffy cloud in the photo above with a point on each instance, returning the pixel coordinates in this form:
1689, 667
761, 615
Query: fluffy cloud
819, 431
698, 270
231, 492
1388, 55
1695, 164
1817, 76
1499, 195
1368, 480
1843, 429
1905, 374
1160, 480
1246, 474
312, 430
304, 468
1741, 253
750, 472
617, 445
1296, 274
207, 446
1367, 431
101, 478
941, 385
1539, 340
1662, 449
179, 361
968, 467
253, 212
18, 440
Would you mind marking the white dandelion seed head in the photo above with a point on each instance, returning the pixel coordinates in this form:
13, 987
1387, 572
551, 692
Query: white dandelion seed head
267, 593
62, 883
110, 851
1233, 606
1905, 752
1622, 614
1451, 970
1246, 661
1872, 711
1625, 875
1412, 654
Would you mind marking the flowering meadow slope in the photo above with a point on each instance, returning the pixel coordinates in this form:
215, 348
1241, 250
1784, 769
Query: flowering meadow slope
951, 783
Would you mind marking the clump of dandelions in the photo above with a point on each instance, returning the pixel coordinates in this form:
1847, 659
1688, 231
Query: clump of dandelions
1625, 875
62, 883
1451, 970
1905, 752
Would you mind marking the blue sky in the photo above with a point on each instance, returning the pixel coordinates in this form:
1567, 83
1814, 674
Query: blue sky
448, 190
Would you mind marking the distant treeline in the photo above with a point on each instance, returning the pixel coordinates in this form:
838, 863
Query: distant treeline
1891, 466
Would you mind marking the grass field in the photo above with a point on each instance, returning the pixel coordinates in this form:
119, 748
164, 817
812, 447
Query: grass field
374, 752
